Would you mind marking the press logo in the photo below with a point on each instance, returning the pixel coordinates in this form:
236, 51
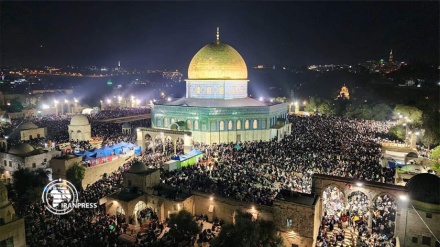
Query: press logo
61, 197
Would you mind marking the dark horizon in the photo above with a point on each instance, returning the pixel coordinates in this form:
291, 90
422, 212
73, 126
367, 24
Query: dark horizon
158, 35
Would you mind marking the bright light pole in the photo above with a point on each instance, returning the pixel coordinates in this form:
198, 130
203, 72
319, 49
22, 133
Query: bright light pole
55, 102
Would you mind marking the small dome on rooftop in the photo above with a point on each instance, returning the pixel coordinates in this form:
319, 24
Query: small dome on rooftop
20, 149
79, 120
424, 187
138, 167
27, 125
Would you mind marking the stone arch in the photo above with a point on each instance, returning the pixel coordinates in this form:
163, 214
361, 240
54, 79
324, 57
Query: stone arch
138, 207
174, 126
222, 125
120, 210
196, 124
384, 204
230, 125
333, 199
148, 140
188, 124
358, 205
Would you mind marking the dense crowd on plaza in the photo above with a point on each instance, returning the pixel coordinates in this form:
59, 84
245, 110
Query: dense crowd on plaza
257, 171
252, 171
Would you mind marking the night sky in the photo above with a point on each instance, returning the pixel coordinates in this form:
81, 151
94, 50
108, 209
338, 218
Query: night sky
153, 35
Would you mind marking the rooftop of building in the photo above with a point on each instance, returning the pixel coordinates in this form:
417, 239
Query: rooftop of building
298, 198
197, 102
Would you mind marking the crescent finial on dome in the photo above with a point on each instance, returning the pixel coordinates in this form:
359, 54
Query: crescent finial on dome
218, 34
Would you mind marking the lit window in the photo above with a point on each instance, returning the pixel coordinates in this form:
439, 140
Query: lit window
166, 122
222, 125
230, 125
196, 125
188, 124
238, 125
255, 124
246, 124
173, 120
289, 222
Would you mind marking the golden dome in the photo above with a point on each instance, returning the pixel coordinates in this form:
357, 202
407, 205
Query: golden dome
218, 61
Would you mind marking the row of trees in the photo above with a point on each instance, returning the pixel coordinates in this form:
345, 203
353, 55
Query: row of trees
345, 108
415, 118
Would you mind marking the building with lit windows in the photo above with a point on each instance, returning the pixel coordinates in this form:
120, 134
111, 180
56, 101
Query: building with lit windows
217, 108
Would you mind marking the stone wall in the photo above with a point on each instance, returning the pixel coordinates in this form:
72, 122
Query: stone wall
29, 134
226, 208
95, 173
61, 164
303, 219
415, 228
14, 229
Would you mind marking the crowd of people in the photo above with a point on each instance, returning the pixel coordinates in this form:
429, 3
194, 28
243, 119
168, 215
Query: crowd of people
258, 170
250, 171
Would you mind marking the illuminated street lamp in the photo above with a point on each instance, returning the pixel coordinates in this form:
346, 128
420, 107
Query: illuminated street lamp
55, 102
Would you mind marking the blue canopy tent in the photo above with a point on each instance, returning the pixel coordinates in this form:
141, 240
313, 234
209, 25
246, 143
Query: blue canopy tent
104, 151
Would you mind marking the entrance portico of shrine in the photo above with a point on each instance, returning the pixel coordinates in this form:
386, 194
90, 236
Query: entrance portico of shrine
147, 136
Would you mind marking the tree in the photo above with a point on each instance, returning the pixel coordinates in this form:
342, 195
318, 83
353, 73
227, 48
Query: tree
414, 114
75, 174
431, 120
397, 131
381, 112
182, 226
435, 153
15, 105
248, 233
29, 184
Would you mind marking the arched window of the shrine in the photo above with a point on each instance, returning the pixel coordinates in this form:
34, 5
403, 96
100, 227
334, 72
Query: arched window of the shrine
173, 120
196, 125
188, 124
167, 122
222, 125
246, 124
238, 124
255, 124
230, 125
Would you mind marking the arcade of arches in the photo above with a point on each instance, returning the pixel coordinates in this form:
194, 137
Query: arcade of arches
168, 140
359, 209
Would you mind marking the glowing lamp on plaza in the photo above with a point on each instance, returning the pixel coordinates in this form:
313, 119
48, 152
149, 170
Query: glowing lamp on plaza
261, 99
403, 198
211, 198
169, 99
44, 106
109, 101
359, 184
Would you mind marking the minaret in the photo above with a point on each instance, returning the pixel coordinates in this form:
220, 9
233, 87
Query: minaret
390, 59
